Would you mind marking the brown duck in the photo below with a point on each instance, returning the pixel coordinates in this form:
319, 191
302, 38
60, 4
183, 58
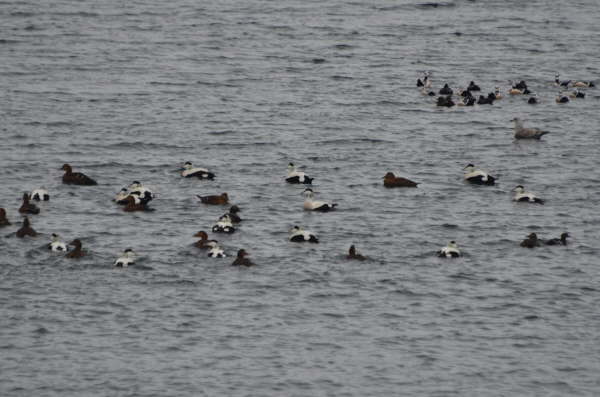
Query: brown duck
531, 241
132, 205
76, 178
241, 259
352, 254
559, 241
204, 242
77, 252
3, 220
26, 229
27, 207
390, 180
221, 199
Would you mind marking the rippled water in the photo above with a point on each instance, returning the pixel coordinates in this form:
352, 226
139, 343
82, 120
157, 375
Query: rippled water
127, 91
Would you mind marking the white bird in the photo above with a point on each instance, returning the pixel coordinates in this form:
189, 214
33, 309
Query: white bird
299, 235
315, 205
477, 176
56, 244
298, 177
137, 189
127, 258
527, 133
522, 195
224, 225
449, 251
215, 251
40, 194
189, 171
121, 197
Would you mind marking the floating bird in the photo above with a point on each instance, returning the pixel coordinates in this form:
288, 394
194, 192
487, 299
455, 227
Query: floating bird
352, 254
473, 87
139, 190
584, 84
576, 94
3, 220
215, 251
521, 85
497, 93
134, 205
233, 214
559, 83
486, 100
203, 242
75, 178
467, 101
189, 171
478, 177
241, 259
121, 197
531, 241
26, 229
315, 205
533, 100
299, 235
126, 259
522, 195
40, 194
465, 93
390, 180
221, 199
224, 225
445, 101
562, 98
527, 133
56, 244
559, 241
449, 251
297, 177
77, 252
446, 90
27, 207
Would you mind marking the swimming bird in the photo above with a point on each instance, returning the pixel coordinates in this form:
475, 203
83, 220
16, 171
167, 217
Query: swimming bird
449, 251
473, 87
121, 196
559, 83
478, 177
3, 220
446, 90
527, 133
189, 171
224, 225
233, 214
497, 93
297, 177
215, 251
136, 205
522, 195
315, 205
559, 241
562, 98
533, 100
531, 241
76, 178
521, 85
299, 235
26, 229
583, 84
445, 101
137, 189
77, 252
390, 180
220, 199
241, 259
576, 94
352, 254
56, 244
468, 101
485, 100
126, 259
203, 242
40, 194
27, 207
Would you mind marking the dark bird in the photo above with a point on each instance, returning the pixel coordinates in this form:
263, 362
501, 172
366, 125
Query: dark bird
531, 241
135, 204
391, 180
446, 90
27, 207
532, 100
559, 83
233, 214
203, 243
241, 259
3, 220
221, 199
445, 101
352, 254
473, 87
76, 178
77, 252
559, 241
26, 229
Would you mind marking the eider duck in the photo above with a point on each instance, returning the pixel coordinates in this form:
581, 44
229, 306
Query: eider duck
315, 205
521, 85
446, 90
126, 259
135, 204
233, 214
137, 189
445, 101
203, 242
485, 100
299, 235
40, 194
584, 84
26, 229
241, 259
527, 133
352, 254
189, 171
559, 83
221, 199
478, 177
531, 241
449, 251
224, 225
562, 98
390, 180
297, 177
121, 197
473, 87
77, 252
56, 244
27, 207
497, 93
559, 241
76, 178
522, 195
468, 101
3, 220
215, 251
533, 100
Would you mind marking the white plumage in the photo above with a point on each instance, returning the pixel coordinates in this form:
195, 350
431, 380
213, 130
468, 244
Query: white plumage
215, 251
300, 235
40, 194
449, 251
126, 259
56, 244
315, 205
189, 171
522, 195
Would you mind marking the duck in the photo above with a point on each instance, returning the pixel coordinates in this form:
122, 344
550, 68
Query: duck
445, 90
533, 100
135, 204
497, 93
189, 171
126, 259
576, 94
468, 101
522, 195
221, 199
478, 177
77, 252
215, 251
559, 83
3, 220
527, 133
56, 244
485, 100
26, 229
445, 101
516, 91
531, 241
562, 98
473, 87
390, 180
233, 214
203, 242
521, 85
241, 259
121, 196
40, 194
584, 84
27, 207
137, 189
449, 251
76, 178
299, 235
315, 205
297, 177
224, 225
352, 254
559, 241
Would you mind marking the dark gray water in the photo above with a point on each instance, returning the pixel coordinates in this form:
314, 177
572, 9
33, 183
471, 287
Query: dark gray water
127, 91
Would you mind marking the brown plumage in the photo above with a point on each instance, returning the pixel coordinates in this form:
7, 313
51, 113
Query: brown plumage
77, 252
221, 199
132, 206
26, 229
241, 259
531, 241
390, 180
27, 207
76, 178
352, 254
203, 243
3, 220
